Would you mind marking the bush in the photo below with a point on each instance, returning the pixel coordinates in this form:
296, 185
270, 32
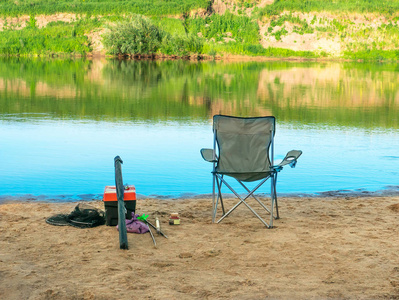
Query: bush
140, 36
136, 36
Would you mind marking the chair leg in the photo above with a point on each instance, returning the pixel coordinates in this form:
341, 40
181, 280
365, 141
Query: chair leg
275, 196
220, 195
213, 198
272, 210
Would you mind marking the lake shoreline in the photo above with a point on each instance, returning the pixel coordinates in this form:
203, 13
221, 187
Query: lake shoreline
390, 191
195, 58
341, 248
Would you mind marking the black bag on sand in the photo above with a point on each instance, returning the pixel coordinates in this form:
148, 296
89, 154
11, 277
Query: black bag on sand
83, 216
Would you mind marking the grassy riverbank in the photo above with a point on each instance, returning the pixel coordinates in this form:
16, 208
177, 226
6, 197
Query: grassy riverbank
365, 30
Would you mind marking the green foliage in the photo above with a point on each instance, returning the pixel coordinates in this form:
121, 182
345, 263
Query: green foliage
386, 7
212, 34
322, 29
32, 21
170, 25
300, 26
339, 26
241, 28
101, 7
373, 55
181, 45
140, 35
280, 33
257, 50
53, 39
135, 36
281, 52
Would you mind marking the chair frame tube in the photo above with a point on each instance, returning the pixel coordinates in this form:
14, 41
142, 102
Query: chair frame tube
214, 205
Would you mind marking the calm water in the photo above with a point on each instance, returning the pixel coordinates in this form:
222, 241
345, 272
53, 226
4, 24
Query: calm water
63, 121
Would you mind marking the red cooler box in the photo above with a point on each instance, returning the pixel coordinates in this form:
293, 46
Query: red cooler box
111, 203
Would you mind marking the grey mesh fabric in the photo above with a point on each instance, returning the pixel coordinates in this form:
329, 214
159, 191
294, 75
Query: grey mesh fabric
244, 146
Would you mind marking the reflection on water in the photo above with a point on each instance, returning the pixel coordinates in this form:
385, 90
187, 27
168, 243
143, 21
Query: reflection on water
63, 121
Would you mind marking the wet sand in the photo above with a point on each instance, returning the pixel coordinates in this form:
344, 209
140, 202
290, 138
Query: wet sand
321, 248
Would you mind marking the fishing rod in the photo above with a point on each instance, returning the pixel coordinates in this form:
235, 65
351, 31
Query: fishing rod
152, 236
144, 217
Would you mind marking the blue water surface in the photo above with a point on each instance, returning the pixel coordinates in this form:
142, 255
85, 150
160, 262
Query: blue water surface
74, 159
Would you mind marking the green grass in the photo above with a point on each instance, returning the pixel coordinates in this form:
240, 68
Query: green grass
101, 7
386, 7
170, 25
55, 38
373, 55
257, 50
240, 28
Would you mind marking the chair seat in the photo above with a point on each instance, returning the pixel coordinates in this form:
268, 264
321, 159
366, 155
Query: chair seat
247, 176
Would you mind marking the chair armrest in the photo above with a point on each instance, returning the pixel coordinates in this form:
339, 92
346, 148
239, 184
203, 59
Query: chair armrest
208, 155
290, 159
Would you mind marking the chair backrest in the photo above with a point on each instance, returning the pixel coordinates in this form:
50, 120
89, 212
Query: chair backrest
243, 145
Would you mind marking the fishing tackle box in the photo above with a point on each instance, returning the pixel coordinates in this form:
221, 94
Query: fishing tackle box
111, 203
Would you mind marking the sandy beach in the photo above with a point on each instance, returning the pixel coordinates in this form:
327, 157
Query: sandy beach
321, 248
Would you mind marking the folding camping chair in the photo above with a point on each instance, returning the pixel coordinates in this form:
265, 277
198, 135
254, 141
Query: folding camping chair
245, 150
